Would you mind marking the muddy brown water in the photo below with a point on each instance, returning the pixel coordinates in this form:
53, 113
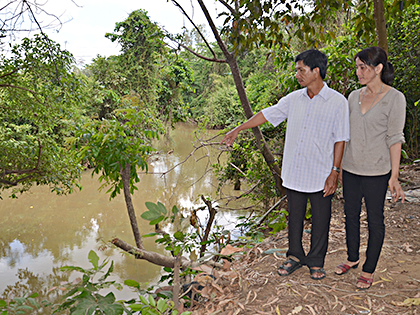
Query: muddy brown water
40, 231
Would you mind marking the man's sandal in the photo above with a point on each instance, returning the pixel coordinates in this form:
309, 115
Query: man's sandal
319, 270
345, 268
294, 265
364, 280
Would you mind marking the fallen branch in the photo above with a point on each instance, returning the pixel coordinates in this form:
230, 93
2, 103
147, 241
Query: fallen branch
159, 259
261, 220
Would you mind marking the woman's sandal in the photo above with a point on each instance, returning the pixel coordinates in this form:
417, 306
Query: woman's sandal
345, 268
364, 280
294, 265
319, 270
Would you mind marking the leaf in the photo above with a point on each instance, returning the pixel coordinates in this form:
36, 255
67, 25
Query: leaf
152, 301
152, 207
385, 279
136, 307
175, 210
161, 208
158, 220
229, 250
162, 305
150, 234
132, 283
177, 249
72, 268
110, 270
94, 259
143, 300
150, 215
179, 236
407, 302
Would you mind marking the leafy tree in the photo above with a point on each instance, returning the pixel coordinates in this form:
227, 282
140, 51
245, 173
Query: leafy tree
404, 49
142, 47
106, 86
145, 67
175, 78
117, 147
40, 100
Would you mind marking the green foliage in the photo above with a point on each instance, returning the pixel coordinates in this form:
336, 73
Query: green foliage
106, 86
341, 74
181, 241
250, 168
175, 78
149, 306
111, 144
221, 103
19, 305
277, 221
271, 23
404, 49
142, 49
40, 104
83, 297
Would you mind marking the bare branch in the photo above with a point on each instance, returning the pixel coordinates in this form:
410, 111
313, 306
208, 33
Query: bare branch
214, 29
232, 10
195, 26
201, 56
202, 145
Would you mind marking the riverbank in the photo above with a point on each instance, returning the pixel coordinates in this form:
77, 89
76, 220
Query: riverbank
252, 286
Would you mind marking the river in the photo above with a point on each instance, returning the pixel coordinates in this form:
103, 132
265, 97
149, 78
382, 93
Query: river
41, 231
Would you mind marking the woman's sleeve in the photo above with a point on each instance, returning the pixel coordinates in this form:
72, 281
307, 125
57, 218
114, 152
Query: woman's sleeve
396, 121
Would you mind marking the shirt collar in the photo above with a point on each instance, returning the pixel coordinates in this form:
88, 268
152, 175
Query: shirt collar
324, 93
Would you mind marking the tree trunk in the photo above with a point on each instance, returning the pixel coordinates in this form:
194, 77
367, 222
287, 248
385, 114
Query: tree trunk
232, 62
125, 174
380, 23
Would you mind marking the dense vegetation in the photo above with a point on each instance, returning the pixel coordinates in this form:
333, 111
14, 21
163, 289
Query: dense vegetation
56, 118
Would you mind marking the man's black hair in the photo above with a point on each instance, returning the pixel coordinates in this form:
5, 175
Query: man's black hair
314, 59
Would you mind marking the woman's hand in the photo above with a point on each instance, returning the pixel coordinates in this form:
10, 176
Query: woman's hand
396, 190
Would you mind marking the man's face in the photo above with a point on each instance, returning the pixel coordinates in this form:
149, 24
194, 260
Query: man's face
304, 75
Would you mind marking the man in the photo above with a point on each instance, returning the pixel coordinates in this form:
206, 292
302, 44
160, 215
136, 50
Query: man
317, 129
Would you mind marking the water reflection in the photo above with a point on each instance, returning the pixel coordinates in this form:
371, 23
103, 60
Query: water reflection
39, 232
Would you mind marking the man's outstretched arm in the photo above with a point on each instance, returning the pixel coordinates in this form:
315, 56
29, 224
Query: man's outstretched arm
255, 121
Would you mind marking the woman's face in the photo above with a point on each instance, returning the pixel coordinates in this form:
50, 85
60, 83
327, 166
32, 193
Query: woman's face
365, 73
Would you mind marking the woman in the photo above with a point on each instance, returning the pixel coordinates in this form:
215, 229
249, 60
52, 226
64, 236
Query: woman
372, 157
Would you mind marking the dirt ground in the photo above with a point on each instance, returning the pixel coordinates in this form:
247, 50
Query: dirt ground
251, 285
